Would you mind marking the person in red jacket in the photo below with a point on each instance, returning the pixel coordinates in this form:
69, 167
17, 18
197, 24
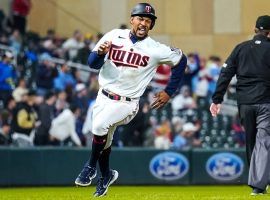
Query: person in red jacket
20, 10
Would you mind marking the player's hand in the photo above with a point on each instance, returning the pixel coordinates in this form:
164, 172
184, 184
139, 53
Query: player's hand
104, 48
215, 109
161, 99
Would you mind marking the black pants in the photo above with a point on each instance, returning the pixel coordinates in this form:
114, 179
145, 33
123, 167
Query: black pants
19, 23
248, 120
256, 121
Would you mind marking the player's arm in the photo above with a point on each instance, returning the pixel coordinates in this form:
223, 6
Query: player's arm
177, 74
227, 72
95, 61
96, 58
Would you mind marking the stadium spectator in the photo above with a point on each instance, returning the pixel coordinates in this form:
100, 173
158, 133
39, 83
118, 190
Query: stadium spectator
64, 79
24, 121
52, 44
93, 87
163, 135
213, 67
202, 85
15, 41
20, 90
5, 138
4, 39
2, 20
20, 10
46, 73
73, 44
30, 62
80, 98
149, 134
63, 127
98, 36
48, 46
7, 112
61, 102
84, 52
193, 67
183, 100
186, 138
177, 125
45, 117
7, 76
50, 35
123, 26
238, 134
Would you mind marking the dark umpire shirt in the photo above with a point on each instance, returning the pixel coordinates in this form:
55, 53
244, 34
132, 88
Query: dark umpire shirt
250, 61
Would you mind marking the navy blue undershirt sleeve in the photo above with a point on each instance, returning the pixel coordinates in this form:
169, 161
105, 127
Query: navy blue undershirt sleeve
177, 74
95, 61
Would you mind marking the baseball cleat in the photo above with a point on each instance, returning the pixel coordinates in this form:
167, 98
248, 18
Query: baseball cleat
257, 191
86, 176
104, 183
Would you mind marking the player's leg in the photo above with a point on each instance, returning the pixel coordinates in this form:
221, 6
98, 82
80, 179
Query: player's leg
86, 176
106, 114
89, 171
104, 159
260, 160
108, 176
104, 162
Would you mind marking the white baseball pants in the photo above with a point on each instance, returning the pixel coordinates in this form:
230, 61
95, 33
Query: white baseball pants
108, 114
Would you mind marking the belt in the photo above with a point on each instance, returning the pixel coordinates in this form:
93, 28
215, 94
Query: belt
115, 96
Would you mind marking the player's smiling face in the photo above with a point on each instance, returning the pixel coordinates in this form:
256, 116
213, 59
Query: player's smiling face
140, 26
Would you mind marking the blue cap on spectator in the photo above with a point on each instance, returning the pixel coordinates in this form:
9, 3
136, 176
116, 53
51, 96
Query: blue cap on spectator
45, 56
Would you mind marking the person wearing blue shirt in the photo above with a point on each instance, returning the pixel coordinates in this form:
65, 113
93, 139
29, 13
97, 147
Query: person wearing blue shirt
7, 77
64, 79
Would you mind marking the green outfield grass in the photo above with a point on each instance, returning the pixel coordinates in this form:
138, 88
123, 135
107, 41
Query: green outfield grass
132, 193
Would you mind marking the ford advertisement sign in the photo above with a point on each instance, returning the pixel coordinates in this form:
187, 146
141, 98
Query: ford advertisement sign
225, 166
169, 166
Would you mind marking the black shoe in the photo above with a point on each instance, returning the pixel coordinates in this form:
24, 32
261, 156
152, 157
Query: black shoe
86, 176
257, 191
104, 183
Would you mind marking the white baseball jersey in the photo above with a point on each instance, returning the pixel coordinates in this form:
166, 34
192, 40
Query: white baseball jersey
129, 67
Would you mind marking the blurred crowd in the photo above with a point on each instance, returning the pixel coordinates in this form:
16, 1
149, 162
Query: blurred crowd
47, 102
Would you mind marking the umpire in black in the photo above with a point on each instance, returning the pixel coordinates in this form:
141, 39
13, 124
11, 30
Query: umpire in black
250, 62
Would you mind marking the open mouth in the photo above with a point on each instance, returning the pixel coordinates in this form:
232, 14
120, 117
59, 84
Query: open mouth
142, 31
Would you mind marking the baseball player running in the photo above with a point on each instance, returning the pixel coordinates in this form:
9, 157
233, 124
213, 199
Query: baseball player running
127, 60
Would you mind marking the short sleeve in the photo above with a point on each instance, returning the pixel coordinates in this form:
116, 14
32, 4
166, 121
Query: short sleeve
169, 55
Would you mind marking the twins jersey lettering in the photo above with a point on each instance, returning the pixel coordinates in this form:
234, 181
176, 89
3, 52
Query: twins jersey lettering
129, 67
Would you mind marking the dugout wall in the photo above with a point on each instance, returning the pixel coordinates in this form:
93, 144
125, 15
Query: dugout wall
136, 166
